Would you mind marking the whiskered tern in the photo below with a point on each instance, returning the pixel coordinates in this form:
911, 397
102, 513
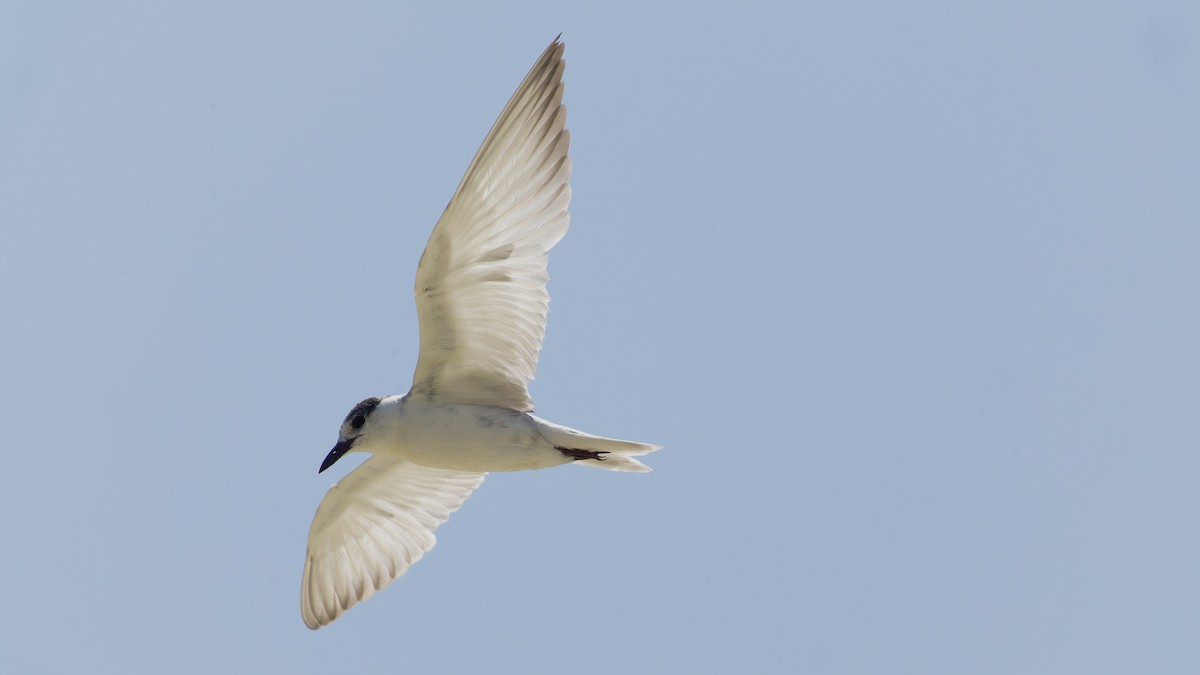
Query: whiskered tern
481, 304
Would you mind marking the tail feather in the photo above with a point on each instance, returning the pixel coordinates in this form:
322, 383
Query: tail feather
619, 455
615, 462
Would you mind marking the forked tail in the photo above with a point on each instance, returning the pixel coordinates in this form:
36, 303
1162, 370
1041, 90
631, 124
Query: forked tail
598, 451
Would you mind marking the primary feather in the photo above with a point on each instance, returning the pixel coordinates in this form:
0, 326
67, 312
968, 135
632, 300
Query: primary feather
371, 526
481, 284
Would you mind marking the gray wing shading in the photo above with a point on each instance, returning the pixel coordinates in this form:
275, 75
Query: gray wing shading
371, 526
481, 285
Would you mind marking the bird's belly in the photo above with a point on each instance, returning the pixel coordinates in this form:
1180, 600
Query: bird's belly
474, 438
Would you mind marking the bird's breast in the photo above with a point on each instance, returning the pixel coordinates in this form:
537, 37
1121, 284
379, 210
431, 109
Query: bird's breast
470, 438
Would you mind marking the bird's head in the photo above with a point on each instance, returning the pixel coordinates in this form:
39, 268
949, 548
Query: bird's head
356, 425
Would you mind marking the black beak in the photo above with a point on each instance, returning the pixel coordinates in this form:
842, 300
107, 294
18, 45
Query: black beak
336, 453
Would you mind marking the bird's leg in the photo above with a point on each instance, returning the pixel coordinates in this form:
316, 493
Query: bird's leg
576, 454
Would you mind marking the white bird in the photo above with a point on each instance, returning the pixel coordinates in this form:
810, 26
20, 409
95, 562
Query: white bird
481, 304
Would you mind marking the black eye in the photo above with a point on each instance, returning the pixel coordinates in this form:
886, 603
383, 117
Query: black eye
358, 421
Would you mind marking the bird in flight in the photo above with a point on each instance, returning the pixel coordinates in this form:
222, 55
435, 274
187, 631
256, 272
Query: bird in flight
481, 304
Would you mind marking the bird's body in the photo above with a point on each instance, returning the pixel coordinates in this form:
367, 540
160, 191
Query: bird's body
481, 438
481, 301
463, 437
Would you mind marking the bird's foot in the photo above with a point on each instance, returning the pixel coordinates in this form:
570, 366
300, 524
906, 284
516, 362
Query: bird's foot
576, 454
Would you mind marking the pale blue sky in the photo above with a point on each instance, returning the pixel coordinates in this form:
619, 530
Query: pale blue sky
907, 290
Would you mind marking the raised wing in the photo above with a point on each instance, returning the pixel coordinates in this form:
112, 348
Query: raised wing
481, 285
370, 527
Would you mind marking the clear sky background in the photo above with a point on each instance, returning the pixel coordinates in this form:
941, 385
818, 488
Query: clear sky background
907, 290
